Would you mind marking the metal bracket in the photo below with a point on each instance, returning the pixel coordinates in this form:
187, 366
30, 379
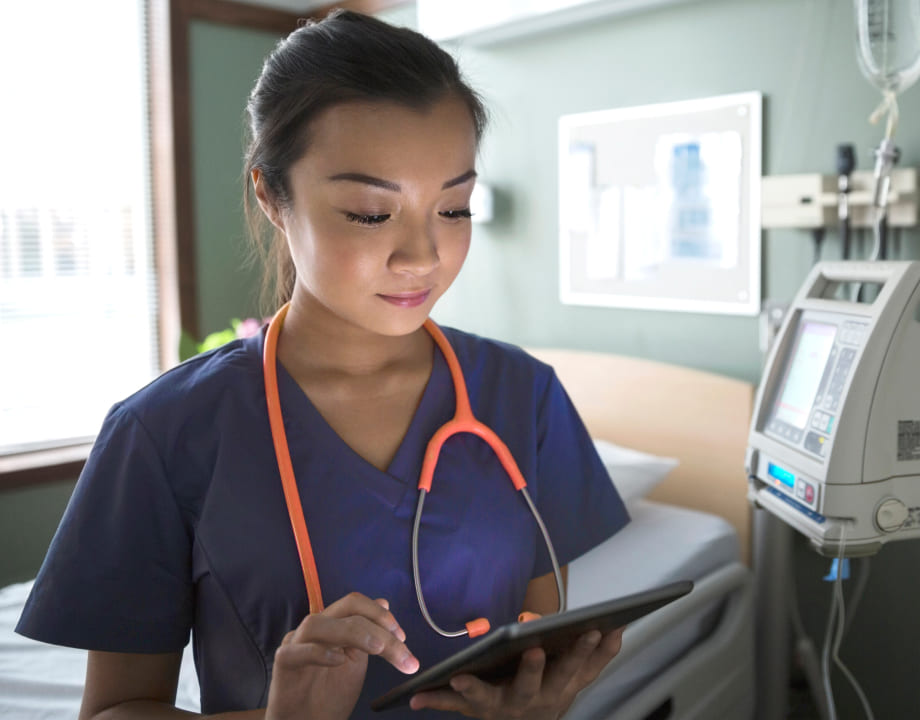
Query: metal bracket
810, 201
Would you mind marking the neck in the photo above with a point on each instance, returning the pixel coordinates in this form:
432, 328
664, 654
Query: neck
313, 341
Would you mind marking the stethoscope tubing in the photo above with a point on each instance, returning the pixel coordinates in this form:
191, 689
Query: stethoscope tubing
463, 422
285, 466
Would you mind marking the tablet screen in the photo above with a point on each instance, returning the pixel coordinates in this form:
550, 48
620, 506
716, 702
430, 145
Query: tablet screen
497, 655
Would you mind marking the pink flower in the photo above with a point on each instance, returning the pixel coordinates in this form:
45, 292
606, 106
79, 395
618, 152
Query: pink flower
248, 327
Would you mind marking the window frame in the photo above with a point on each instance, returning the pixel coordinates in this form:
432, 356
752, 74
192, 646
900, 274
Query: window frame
171, 188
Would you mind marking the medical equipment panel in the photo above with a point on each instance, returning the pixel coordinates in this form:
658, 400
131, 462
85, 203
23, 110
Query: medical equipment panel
834, 444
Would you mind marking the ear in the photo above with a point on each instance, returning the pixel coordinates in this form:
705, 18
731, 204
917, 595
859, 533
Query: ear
266, 200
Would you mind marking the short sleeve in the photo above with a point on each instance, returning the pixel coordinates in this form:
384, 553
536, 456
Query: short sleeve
117, 574
579, 504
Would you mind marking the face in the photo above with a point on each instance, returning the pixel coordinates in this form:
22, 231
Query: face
379, 222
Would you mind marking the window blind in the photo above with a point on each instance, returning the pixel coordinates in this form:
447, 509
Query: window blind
78, 293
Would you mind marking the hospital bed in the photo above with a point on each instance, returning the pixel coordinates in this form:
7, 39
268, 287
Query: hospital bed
674, 440
695, 657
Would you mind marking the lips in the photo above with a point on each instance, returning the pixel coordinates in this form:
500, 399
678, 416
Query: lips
407, 299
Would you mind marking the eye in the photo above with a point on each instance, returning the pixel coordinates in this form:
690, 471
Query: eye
366, 219
457, 214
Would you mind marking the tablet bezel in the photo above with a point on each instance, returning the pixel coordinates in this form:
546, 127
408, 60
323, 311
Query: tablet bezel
497, 654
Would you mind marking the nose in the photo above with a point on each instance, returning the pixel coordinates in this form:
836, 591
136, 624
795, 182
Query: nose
416, 251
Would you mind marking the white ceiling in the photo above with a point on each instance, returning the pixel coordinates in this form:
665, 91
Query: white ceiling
291, 5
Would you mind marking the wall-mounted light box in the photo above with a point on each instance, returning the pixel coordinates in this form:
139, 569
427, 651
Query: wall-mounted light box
480, 22
659, 206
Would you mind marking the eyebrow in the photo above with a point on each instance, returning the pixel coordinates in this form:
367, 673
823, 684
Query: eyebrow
387, 185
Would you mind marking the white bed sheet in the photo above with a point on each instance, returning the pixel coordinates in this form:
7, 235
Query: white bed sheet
662, 544
45, 682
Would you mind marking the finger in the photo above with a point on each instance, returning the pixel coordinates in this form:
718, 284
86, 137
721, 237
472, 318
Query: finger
567, 666
529, 678
446, 700
355, 633
389, 620
355, 605
377, 611
609, 647
297, 655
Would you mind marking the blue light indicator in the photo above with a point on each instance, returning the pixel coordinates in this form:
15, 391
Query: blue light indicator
781, 474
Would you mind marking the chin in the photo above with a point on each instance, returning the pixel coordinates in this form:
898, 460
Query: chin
402, 323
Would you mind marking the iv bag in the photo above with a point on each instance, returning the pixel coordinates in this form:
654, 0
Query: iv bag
888, 42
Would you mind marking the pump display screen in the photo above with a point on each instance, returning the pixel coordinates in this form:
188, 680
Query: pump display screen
803, 375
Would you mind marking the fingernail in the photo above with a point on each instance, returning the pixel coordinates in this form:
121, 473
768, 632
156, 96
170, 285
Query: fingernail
409, 664
592, 638
459, 684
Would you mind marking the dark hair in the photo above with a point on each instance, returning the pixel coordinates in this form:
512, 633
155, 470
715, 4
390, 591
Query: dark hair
344, 58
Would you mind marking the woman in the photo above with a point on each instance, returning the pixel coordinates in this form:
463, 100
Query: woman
362, 158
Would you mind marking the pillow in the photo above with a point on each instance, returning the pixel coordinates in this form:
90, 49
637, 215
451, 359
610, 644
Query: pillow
633, 472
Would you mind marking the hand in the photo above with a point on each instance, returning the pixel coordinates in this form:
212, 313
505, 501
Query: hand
537, 692
320, 666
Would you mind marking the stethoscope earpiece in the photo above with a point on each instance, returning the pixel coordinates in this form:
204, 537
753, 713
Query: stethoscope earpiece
477, 627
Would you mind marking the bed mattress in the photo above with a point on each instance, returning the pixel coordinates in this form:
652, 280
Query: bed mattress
662, 544
45, 682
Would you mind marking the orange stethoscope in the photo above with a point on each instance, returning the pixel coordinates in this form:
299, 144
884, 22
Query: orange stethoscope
462, 422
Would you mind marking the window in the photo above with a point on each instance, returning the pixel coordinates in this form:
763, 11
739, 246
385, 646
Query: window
78, 292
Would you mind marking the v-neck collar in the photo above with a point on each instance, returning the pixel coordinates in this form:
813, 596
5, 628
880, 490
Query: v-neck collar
434, 409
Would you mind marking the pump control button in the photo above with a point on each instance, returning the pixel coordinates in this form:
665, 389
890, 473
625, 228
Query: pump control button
890, 515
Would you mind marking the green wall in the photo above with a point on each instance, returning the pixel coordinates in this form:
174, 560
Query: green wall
28, 519
799, 53
224, 64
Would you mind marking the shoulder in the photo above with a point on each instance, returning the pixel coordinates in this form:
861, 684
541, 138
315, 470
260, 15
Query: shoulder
481, 355
204, 378
500, 373
202, 392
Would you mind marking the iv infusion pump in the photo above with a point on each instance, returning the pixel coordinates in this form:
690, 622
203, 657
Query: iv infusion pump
834, 443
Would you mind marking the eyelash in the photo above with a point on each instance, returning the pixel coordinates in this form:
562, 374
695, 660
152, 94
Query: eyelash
366, 219
374, 220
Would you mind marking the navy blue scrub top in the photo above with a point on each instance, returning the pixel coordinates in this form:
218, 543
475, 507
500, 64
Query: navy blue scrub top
178, 522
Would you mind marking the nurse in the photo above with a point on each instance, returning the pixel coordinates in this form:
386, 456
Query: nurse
362, 159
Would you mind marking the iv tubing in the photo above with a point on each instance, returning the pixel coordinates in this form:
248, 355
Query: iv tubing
836, 622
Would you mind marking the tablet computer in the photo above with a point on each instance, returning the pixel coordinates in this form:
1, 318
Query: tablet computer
497, 655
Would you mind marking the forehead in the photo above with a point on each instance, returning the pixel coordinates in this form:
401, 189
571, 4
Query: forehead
388, 138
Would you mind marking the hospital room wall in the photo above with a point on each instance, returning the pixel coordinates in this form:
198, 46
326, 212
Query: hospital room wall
799, 53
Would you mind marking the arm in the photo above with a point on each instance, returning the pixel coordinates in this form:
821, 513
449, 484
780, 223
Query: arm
134, 685
541, 597
318, 671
